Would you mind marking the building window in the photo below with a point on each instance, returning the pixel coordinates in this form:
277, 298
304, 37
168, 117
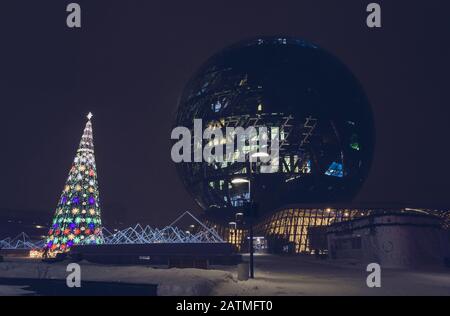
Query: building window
335, 170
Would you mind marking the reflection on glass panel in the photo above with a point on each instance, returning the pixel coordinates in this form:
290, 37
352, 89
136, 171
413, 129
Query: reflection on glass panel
335, 170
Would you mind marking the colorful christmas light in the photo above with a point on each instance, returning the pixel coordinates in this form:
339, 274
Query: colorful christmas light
72, 224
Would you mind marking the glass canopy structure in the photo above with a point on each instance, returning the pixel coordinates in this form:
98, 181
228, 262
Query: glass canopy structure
302, 228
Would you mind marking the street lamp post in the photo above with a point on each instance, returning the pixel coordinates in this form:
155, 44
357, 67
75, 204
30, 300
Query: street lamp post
252, 249
251, 207
249, 214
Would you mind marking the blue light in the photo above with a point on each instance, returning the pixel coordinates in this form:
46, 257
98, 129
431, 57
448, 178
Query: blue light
335, 170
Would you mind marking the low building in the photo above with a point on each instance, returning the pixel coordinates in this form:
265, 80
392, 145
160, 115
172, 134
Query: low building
362, 233
396, 239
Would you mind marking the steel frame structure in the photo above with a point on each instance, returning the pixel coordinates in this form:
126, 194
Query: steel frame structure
137, 234
21, 241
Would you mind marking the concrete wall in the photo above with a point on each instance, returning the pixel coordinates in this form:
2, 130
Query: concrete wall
391, 240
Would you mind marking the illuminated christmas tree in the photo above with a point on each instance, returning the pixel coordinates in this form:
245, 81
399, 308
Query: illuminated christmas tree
77, 219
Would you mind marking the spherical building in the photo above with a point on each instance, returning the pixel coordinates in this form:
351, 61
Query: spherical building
316, 124
300, 93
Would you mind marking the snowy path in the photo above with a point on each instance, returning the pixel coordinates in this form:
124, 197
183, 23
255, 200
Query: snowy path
274, 276
307, 276
170, 281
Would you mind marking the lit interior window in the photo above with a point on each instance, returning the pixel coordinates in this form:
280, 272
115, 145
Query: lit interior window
335, 170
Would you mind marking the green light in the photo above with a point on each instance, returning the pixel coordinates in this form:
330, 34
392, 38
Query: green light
354, 142
354, 146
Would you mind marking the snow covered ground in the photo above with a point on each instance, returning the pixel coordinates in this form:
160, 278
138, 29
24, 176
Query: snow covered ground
170, 281
8, 290
308, 276
274, 276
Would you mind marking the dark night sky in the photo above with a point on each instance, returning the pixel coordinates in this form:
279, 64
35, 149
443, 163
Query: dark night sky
129, 62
